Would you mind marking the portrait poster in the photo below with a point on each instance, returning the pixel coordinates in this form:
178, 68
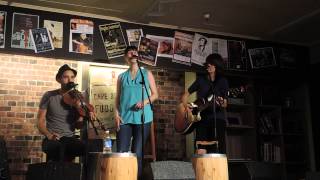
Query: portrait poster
220, 46
262, 57
165, 45
55, 29
103, 82
113, 39
237, 55
81, 36
182, 48
148, 49
41, 40
134, 36
3, 18
21, 25
201, 48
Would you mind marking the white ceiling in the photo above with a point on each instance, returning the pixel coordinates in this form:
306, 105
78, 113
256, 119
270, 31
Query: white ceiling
296, 21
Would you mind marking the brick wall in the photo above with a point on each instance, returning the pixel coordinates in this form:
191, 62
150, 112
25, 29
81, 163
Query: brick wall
24, 79
169, 144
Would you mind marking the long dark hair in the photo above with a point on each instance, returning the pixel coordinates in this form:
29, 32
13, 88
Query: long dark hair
216, 60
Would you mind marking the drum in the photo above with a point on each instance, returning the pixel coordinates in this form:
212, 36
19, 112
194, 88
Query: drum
210, 166
113, 166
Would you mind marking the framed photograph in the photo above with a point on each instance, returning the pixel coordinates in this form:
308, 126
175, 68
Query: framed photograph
233, 118
262, 57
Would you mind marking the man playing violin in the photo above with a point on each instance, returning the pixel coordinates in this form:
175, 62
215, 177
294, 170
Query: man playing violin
58, 121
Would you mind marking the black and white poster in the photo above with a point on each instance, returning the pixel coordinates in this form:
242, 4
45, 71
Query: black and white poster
237, 55
113, 39
3, 16
262, 57
41, 40
201, 48
21, 25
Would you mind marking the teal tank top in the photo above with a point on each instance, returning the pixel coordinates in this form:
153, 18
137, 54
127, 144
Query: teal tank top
130, 95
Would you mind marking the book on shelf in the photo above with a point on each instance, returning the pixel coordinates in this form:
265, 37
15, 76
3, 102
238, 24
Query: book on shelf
270, 152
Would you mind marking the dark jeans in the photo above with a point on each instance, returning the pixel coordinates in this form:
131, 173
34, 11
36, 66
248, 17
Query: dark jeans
124, 138
205, 132
65, 149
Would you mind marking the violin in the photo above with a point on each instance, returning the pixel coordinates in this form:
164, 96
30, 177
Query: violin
74, 98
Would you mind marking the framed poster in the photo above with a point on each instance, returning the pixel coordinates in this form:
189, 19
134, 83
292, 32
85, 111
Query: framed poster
262, 57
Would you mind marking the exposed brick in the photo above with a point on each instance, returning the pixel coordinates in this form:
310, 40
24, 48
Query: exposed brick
12, 103
29, 115
31, 104
5, 108
3, 91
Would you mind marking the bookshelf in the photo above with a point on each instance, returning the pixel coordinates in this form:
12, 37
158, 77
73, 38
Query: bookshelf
271, 126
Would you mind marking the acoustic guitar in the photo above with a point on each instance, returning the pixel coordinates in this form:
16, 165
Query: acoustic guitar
187, 117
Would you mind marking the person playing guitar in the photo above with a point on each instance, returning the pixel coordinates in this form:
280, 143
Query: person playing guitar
212, 91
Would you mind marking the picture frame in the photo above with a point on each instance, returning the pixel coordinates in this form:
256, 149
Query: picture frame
262, 57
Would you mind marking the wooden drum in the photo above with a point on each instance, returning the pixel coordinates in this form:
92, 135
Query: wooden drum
114, 166
210, 167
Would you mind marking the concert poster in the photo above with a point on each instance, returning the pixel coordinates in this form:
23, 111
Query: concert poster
103, 87
21, 25
182, 48
55, 29
148, 49
134, 36
237, 55
201, 48
220, 46
3, 17
81, 36
165, 45
113, 39
41, 40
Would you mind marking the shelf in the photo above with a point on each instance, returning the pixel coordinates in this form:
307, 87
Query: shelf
244, 127
271, 134
295, 163
292, 134
269, 106
239, 106
240, 160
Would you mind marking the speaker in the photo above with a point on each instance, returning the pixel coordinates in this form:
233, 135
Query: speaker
255, 171
173, 170
54, 171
